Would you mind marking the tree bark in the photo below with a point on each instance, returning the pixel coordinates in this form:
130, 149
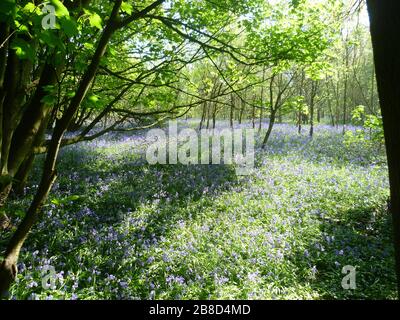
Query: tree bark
314, 87
231, 112
385, 26
346, 80
299, 120
203, 116
270, 127
311, 120
8, 267
21, 177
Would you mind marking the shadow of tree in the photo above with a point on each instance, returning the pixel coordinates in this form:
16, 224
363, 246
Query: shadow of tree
113, 206
360, 238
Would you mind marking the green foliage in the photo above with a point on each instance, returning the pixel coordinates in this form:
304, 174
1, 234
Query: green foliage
69, 26
94, 19
23, 49
61, 10
66, 200
8, 10
318, 70
126, 7
371, 133
296, 103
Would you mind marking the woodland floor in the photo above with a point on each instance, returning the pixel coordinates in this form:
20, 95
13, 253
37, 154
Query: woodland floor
117, 228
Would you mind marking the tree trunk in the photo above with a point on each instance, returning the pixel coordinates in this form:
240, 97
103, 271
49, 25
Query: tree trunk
231, 112
214, 116
208, 116
300, 119
203, 116
270, 126
314, 88
254, 117
261, 119
346, 80
21, 177
241, 113
311, 120
280, 120
385, 26
8, 267
262, 100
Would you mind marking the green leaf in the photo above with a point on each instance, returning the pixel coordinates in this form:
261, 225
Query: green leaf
49, 100
23, 49
126, 7
61, 10
29, 7
88, 45
69, 26
295, 3
95, 20
21, 28
57, 202
93, 98
49, 38
20, 214
73, 198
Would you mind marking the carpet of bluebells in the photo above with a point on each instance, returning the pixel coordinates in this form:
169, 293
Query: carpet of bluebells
118, 228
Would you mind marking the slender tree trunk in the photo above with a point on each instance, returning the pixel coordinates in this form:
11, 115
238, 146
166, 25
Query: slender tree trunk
372, 98
203, 116
231, 112
385, 26
21, 178
312, 107
280, 120
299, 121
337, 110
270, 127
312, 121
262, 101
8, 267
242, 109
214, 116
346, 84
208, 116
254, 117
331, 112
261, 119
241, 113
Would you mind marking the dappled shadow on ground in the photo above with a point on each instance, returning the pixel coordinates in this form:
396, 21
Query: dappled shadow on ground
359, 238
109, 209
